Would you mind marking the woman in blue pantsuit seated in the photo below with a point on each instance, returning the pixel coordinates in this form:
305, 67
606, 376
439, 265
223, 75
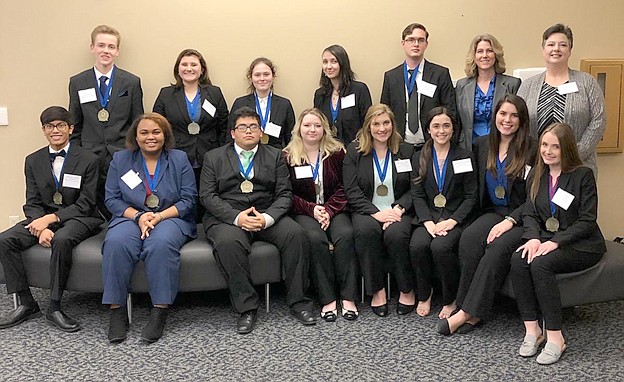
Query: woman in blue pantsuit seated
150, 191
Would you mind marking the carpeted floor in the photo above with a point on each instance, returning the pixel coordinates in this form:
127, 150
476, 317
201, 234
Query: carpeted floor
200, 344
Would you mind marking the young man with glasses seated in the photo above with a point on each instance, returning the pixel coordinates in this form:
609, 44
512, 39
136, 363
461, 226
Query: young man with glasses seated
246, 189
61, 183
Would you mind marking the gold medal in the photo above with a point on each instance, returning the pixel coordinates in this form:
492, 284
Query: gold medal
439, 201
103, 115
152, 201
382, 190
317, 188
264, 139
193, 128
246, 187
57, 198
552, 224
499, 191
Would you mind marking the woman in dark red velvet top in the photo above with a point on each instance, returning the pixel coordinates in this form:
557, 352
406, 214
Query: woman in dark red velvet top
315, 160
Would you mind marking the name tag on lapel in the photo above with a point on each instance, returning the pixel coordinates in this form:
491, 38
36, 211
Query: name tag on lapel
347, 102
426, 88
87, 95
131, 179
72, 181
461, 166
210, 108
568, 88
563, 198
403, 165
273, 129
303, 172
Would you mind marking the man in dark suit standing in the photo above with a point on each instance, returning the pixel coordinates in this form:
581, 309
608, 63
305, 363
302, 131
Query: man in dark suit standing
103, 101
61, 181
416, 86
247, 193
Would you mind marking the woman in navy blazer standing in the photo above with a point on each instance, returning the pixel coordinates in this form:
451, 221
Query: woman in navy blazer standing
150, 191
561, 234
277, 116
315, 159
445, 196
342, 99
485, 85
376, 174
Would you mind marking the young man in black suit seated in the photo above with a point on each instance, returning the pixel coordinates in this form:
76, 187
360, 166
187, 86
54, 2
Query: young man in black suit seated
247, 193
61, 182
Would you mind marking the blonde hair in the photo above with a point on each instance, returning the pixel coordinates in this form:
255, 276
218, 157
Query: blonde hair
471, 66
105, 29
365, 139
295, 151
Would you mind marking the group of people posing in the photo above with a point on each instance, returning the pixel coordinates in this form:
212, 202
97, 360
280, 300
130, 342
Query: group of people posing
460, 184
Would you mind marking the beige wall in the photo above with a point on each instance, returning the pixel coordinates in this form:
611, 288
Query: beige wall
42, 45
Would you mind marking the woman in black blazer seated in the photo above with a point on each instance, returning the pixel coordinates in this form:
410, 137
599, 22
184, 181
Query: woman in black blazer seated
503, 160
485, 85
342, 99
377, 172
315, 159
562, 236
276, 113
444, 190
194, 107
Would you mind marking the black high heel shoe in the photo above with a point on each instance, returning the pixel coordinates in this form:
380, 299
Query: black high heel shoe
350, 315
330, 315
381, 310
403, 309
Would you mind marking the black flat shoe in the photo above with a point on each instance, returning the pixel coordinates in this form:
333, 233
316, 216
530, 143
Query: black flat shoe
403, 309
381, 310
306, 317
247, 321
330, 315
19, 315
118, 325
62, 321
467, 327
443, 327
156, 325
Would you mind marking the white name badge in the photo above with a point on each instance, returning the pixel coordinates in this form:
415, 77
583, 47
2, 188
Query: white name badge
461, 166
347, 102
131, 179
72, 181
303, 172
403, 165
427, 89
563, 198
272, 129
210, 109
568, 88
87, 95
527, 169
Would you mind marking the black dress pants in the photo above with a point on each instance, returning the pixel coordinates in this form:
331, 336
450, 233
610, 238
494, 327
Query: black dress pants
17, 238
337, 271
535, 285
231, 248
372, 244
484, 266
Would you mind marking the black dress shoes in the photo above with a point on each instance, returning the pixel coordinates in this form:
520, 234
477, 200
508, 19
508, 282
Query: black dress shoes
306, 317
156, 325
443, 327
403, 309
247, 321
118, 325
19, 315
381, 310
62, 321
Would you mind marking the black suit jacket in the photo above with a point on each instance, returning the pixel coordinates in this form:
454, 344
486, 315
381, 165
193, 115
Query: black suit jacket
393, 94
359, 179
78, 204
124, 105
219, 185
460, 190
351, 119
282, 114
171, 104
578, 228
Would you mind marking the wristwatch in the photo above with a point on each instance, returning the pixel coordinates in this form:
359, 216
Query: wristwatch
137, 216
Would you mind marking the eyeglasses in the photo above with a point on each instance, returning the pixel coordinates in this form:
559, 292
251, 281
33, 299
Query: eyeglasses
413, 41
49, 127
243, 128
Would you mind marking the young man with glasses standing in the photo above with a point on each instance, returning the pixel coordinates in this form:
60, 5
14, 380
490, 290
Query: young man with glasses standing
246, 189
416, 86
61, 181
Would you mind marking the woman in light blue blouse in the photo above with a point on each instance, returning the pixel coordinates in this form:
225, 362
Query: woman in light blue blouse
483, 87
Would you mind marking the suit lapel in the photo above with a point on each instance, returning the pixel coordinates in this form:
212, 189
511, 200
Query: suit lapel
449, 170
119, 81
500, 89
71, 161
180, 98
234, 162
164, 163
426, 76
469, 95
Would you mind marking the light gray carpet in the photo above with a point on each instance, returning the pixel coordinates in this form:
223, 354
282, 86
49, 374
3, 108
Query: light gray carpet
200, 344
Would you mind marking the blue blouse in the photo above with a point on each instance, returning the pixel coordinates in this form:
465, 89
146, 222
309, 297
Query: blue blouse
483, 110
492, 182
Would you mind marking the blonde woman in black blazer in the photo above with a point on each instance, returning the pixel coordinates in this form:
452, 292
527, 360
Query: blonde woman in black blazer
376, 174
280, 116
561, 235
442, 212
